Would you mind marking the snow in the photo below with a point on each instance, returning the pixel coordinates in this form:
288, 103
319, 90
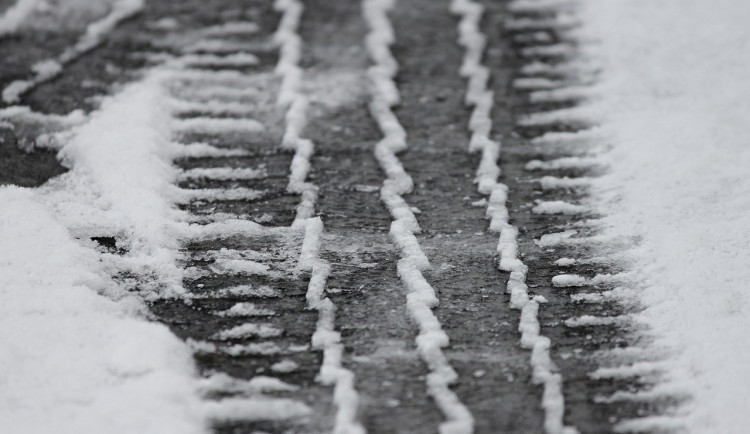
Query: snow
72, 360
220, 382
121, 183
257, 408
248, 330
285, 366
224, 173
210, 125
203, 150
217, 194
590, 320
246, 309
232, 28
676, 105
549, 240
553, 182
565, 262
558, 207
568, 280
240, 267
563, 163
243, 291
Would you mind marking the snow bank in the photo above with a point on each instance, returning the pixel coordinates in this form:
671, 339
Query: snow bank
676, 98
71, 360
121, 184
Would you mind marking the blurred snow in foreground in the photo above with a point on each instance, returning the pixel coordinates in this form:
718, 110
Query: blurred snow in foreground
72, 360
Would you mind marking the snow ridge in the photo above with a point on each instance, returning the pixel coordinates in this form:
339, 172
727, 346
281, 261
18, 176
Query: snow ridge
421, 297
480, 125
325, 337
95, 33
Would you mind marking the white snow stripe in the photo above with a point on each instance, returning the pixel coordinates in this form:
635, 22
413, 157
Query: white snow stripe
204, 150
213, 107
553, 182
255, 408
221, 77
235, 59
590, 320
208, 125
537, 83
568, 280
561, 22
573, 93
252, 349
579, 115
223, 173
565, 163
651, 424
241, 267
576, 71
421, 296
216, 46
638, 369
232, 28
473, 41
242, 291
226, 229
558, 207
245, 309
95, 33
325, 337
548, 50
220, 382
210, 91
217, 194
248, 330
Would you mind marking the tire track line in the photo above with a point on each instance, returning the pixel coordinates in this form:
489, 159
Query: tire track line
480, 125
48, 69
421, 297
325, 337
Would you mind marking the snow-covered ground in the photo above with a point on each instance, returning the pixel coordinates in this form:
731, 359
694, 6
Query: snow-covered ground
674, 102
75, 347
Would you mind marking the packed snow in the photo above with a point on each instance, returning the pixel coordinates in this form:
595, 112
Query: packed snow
676, 104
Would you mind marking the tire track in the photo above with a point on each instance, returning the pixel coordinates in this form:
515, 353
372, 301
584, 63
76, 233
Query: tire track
480, 125
577, 270
421, 297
